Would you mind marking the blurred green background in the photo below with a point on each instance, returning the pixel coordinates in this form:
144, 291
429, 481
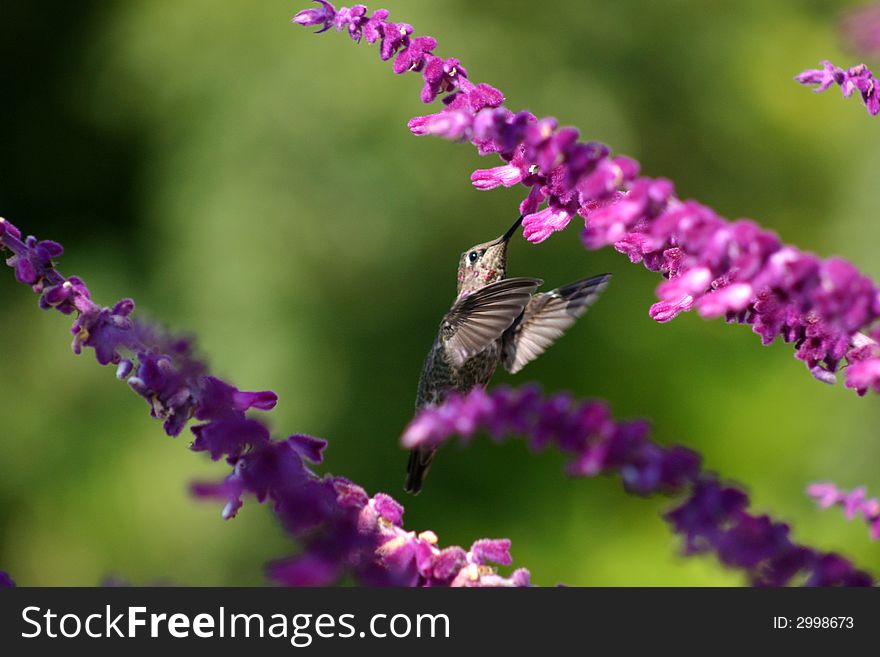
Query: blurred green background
246, 180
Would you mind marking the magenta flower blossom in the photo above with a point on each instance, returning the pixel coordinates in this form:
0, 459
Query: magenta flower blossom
858, 78
710, 516
737, 270
340, 528
854, 503
6, 581
324, 16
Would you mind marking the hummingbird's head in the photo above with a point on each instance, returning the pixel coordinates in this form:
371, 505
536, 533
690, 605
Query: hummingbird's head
484, 263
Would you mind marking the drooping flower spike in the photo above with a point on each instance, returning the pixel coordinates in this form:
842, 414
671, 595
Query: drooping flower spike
340, 528
710, 516
738, 270
854, 503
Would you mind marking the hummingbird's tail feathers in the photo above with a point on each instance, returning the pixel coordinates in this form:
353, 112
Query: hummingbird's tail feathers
547, 316
477, 320
420, 460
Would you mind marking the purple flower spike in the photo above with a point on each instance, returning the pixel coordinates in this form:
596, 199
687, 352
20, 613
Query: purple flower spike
323, 16
342, 530
710, 517
858, 78
820, 306
6, 581
855, 503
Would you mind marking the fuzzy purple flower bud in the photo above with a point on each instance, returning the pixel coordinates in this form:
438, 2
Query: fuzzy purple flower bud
412, 57
354, 18
448, 124
70, 296
36, 258
507, 175
322, 15
7, 228
394, 37
106, 330
495, 551
230, 437
538, 226
218, 398
373, 26
440, 76
309, 447
6, 581
172, 390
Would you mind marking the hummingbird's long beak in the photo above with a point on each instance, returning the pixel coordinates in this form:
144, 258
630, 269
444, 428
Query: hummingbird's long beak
510, 231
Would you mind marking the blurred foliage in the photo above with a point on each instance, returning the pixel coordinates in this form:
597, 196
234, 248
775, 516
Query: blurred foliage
257, 185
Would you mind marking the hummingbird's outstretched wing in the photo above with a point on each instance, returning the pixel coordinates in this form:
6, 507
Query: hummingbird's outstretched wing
477, 320
548, 316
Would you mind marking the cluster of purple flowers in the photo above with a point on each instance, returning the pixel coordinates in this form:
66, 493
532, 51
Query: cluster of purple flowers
711, 516
340, 528
733, 269
6, 581
854, 503
857, 78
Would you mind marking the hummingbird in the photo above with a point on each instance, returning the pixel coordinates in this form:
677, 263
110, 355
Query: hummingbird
493, 319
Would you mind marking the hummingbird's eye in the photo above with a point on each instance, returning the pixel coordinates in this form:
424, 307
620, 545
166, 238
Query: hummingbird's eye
472, 256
